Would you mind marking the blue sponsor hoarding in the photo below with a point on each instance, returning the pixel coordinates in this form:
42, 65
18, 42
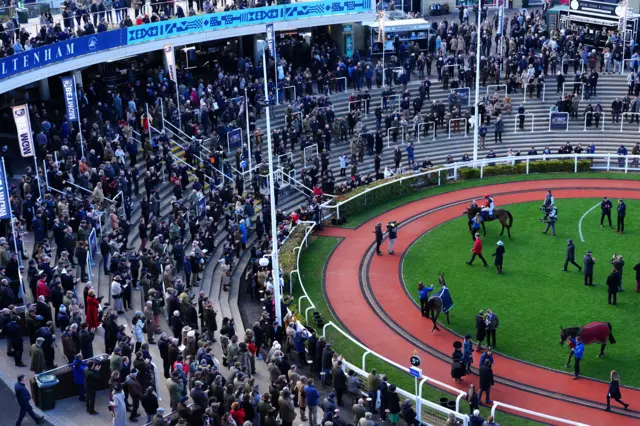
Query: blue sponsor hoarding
558, 121
238, 18
61, 51
73, 48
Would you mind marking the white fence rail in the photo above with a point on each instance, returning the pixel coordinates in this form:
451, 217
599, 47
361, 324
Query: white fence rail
598, 162
428, 412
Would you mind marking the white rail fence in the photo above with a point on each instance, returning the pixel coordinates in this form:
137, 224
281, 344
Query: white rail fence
608, 162
428, 412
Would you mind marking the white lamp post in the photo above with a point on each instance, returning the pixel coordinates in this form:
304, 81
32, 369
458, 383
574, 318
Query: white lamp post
272, 199
476, 128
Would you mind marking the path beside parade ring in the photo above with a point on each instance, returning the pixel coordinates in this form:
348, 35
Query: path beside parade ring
397, 328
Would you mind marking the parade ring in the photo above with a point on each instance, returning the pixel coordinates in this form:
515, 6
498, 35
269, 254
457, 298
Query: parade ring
367, 295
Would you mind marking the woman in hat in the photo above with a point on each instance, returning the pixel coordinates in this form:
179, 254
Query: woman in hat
457, 367
468, 352
498, 255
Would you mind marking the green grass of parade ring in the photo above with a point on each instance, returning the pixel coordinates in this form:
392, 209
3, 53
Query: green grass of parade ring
533, 297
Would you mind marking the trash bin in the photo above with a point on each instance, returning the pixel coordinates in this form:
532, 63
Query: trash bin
47, 391
23, 15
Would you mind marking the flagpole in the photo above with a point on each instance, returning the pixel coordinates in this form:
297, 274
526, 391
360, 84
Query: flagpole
13, 231
246, 112
75, 94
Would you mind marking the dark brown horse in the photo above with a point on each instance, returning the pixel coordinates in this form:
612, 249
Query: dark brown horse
595, 332
502, 215
434, 307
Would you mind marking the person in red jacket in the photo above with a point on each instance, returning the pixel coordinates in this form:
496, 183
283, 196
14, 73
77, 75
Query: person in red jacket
477, 251
42, 289
92, 310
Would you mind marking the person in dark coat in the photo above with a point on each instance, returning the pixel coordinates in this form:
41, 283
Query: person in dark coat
91, 381
327, 358
384, 399
486, 380
622, 212
86, 341
149, 402
458, 369
571, 256
587, 264
378, 232
612, 287
14, 335
339, 382
499, 255
614, 391
393, 404
312, 344
481, 330
605, 207
163, 347
24, 397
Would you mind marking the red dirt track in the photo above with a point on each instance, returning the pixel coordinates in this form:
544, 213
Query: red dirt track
344, 293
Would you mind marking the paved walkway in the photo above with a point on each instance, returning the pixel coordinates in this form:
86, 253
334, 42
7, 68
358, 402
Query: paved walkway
374, 309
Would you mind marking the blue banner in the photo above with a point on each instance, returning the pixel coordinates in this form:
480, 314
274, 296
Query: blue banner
271, 42
5, 205
93, 243
243, 17
234, 140
69, 93
61, 51
500, 21
558, 121
464, 95
201, 207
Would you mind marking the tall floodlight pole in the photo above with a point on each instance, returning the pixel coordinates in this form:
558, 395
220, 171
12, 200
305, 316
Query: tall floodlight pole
272, 199
476, 127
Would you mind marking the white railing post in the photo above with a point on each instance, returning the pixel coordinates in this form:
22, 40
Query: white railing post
608, 161
364, 360
626, 164
575, 163
515, 123
527, 172
585, 121
533, 120
481, 170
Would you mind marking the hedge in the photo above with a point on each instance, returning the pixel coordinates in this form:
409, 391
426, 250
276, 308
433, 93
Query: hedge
549, 166
286, 255
399, 188
404, 187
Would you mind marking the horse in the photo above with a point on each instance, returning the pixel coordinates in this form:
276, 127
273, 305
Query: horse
434, 307
595, 332
504, 216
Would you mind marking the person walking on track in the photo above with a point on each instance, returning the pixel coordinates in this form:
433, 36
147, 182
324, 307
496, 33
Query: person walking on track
477, 251
614, 391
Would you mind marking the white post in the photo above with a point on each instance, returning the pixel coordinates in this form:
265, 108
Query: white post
162, 112
272, 202
476, 128
246, 110
178, 101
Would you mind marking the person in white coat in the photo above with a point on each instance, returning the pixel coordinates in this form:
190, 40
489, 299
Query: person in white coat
138, 329
119, 407
116, 295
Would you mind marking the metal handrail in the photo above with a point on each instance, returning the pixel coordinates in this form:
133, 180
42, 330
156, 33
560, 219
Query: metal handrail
464, 124
517, 117
622, 119
574, 91
592, 113
544, 89
424, 123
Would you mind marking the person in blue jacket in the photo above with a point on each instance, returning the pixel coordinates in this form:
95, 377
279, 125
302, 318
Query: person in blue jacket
467, 351
424, 297
23, 396
78, 368
578, 353
313, 399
